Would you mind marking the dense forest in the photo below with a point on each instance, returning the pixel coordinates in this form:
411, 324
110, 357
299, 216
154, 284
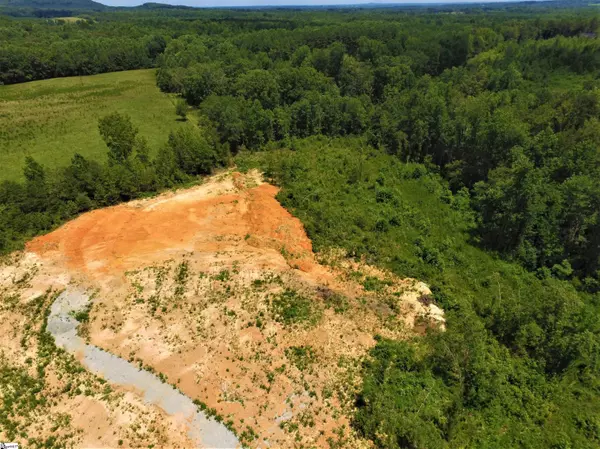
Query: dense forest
507, 111
460, 147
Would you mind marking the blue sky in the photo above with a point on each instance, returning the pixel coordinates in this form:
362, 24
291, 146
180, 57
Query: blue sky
277, 2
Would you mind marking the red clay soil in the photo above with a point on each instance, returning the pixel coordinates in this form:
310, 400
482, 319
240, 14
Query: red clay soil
204, 219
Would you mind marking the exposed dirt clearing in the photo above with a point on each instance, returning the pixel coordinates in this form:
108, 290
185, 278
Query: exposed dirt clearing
222, 215
217, 288
72, 406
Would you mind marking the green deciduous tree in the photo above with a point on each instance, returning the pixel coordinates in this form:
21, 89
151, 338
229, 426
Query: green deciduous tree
259, 85
202, 80
119, 134
194, 155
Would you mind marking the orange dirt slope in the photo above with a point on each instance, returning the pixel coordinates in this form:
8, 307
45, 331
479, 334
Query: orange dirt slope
229, 213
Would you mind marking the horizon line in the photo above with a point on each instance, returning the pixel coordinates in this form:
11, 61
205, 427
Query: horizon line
330, 3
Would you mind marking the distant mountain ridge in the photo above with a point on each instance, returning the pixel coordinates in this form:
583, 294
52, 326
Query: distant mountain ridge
87, 5
57, 8
157, 5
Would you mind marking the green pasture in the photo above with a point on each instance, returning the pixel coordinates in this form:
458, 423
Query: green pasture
51, 120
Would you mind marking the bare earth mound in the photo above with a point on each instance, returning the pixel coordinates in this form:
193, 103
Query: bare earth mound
217, 289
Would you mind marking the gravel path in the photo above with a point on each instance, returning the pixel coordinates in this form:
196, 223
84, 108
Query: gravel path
205, 431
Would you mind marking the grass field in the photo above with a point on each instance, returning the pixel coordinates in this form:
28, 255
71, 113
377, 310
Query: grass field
68, 19
53, 119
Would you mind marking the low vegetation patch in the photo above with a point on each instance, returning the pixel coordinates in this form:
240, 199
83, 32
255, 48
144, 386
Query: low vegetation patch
290, 307
301, 356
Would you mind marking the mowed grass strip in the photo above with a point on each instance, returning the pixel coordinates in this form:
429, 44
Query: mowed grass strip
51, 120
67, 19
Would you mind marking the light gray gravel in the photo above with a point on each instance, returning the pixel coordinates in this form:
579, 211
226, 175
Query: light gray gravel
205, 431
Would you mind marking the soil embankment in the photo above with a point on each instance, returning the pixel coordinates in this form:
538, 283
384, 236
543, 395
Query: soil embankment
229, 213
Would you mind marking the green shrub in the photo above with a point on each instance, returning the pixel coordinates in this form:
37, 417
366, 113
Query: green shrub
301, 356
290, 307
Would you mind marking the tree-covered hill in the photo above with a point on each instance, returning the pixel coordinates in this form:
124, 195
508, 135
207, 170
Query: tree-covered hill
156, 5
55, 4
49, 8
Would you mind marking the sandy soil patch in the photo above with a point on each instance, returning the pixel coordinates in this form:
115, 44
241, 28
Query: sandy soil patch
46, 398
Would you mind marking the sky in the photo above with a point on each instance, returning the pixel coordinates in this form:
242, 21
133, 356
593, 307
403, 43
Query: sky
201, 3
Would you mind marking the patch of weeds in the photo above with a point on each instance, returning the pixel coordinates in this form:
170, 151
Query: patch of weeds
20, 398
10, 302
139, 288
153, 302
230, 313
161, 276
288, 427
182, 273
223, 276
83, 316
259, 320
259, 284
291, 308
233, 397
374, 284
248, 436
306, 419
301, 356
24, 279
356, 276
339, 303
269, 278
340, 440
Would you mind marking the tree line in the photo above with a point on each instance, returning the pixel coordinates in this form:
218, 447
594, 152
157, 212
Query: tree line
123, 40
